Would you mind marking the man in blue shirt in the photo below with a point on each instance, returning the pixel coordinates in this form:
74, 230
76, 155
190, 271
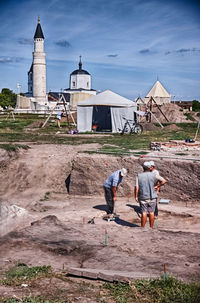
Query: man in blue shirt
110, 188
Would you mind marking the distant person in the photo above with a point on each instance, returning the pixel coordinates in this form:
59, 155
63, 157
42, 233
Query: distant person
110, 188
146, 193
59, 116
155, 172
153, 169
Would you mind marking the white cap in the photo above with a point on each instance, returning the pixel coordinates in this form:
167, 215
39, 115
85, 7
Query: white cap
147, 164
152, 163
123, 172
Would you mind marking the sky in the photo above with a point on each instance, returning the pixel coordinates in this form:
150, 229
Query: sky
126, 45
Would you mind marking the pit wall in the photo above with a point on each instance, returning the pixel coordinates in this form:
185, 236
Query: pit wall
90, 171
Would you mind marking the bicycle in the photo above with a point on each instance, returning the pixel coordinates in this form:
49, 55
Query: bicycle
131, 127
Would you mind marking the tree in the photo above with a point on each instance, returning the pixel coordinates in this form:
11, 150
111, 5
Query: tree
195, 105
7, 98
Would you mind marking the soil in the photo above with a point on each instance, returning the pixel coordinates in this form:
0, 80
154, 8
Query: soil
172, 127
149, 127
173, 113
61, 188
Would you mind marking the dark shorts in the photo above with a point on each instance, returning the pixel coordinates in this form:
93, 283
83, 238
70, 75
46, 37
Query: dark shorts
148, 206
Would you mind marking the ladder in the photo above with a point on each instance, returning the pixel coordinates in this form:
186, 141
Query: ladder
152, 113
149, 103
66, 107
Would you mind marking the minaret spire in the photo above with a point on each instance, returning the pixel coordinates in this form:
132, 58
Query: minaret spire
80, 64
38, 32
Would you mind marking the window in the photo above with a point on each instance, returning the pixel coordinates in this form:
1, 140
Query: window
87, 84
73, 83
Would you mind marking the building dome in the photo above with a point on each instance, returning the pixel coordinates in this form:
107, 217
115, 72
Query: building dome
80, 71
80, 79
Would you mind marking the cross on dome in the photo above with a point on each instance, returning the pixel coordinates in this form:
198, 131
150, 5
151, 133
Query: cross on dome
80, 64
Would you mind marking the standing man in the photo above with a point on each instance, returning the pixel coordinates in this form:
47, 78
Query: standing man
146, 193
155, 172
110, 188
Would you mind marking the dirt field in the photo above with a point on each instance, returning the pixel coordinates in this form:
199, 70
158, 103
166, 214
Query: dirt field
55, 230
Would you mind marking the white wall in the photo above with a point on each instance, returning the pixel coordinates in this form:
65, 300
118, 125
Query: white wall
80, 81
39, 71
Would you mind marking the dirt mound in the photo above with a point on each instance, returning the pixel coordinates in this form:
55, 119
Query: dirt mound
40, 169
51, 219
47, 169
90, 172
36, 124
150, 127
74, 244
50, 238
7, 156
171, 111
172, 127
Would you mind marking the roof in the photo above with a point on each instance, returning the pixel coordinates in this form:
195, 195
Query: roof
38, 32
158, 91
108, 98
31, 69
79, 89
80, 71
54, 96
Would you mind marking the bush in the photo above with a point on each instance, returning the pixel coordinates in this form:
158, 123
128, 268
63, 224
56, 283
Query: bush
7, 98
189, 116
195, 105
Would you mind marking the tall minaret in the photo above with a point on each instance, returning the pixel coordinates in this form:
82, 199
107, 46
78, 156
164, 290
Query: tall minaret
39, 66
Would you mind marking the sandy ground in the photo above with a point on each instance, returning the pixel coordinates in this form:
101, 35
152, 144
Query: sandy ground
56, 231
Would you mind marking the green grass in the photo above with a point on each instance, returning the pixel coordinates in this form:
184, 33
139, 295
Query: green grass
34, 300
181, 154
141, 291
21, 273
13, 147
19, 131
189, 116
155, 291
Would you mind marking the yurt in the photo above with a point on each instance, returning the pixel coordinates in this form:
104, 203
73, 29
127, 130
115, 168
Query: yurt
105, 112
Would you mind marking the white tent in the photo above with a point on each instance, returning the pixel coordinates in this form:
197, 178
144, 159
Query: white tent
106, 110
159, 93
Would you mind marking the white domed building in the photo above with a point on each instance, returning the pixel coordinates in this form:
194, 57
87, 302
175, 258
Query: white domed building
79, 86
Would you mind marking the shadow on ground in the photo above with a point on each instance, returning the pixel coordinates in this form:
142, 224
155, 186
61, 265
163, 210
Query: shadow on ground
125, 223
101, 207
136, 209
